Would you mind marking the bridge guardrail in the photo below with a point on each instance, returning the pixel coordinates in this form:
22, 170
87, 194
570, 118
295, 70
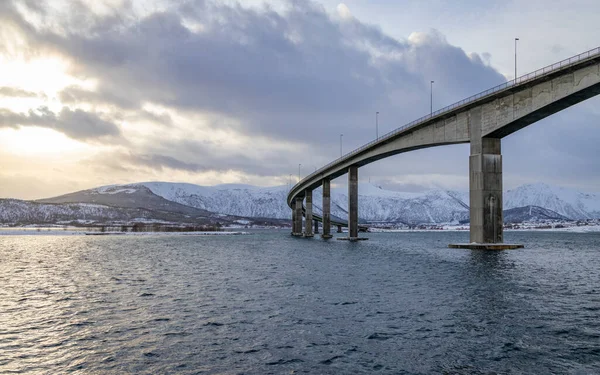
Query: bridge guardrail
519, 80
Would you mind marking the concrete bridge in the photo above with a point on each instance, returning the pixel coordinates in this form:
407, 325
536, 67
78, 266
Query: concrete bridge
481, 120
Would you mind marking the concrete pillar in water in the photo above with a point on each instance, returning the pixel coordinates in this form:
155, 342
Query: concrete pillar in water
294, 218
316, 227
326, 209
485, 184
339, 230
308, 229
353, 202
298, 223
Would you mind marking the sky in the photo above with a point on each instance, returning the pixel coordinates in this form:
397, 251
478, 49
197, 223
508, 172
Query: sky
99, 92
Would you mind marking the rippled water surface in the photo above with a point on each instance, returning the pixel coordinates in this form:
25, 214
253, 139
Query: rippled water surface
268, 303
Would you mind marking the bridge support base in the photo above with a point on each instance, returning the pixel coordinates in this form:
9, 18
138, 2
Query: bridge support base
326, 236
486, 246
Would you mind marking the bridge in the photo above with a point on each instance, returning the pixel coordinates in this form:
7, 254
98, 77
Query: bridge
481, 120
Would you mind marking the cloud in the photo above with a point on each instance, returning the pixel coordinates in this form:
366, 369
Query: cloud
78, 95
283, 84
344, 11
15, 92
77, 124
300, 71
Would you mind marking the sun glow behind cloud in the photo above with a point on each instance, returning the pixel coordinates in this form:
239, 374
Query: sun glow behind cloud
47, 75
41, 141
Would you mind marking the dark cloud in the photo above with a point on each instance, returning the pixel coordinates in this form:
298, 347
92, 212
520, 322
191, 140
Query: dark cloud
163, 161
77, 124
214, 156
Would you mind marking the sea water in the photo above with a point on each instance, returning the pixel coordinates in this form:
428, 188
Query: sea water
267, 303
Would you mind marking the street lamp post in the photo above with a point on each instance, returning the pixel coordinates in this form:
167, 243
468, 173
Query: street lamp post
431, 101
516, 39
377, 125
341, 135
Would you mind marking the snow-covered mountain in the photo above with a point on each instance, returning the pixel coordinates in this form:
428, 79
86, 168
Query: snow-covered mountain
231, 199
180, 202
566, 202
530, 214
376, 204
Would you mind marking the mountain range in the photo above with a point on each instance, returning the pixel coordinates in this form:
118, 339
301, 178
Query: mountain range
244, 204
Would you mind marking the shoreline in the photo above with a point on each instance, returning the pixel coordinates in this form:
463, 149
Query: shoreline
34, 232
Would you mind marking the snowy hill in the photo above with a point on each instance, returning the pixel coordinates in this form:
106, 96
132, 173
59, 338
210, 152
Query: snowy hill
566, 202
129, 196
16, 211
181, 201
377, 204
531, 214
231, 199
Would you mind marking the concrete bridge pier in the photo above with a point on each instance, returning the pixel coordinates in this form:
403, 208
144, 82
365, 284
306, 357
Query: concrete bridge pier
294, 221
308, 229
316, 231
352, 205
298, 216
353, 202
485, 189
485, 195
326, 209
339, 230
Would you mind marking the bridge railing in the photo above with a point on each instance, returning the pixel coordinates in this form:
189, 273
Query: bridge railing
520, 80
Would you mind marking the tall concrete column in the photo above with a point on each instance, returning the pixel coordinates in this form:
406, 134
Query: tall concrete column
298, 222
294, 218
308, 229
485, 184
353, 202
326, 209
316, 227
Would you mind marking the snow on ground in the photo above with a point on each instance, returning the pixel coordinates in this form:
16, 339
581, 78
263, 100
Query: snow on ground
113, 189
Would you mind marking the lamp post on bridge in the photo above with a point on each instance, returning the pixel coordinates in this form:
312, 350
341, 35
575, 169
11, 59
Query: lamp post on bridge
516, 39
377, 125
341, 135
431, 101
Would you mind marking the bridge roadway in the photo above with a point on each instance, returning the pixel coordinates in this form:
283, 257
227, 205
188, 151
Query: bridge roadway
481, 120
